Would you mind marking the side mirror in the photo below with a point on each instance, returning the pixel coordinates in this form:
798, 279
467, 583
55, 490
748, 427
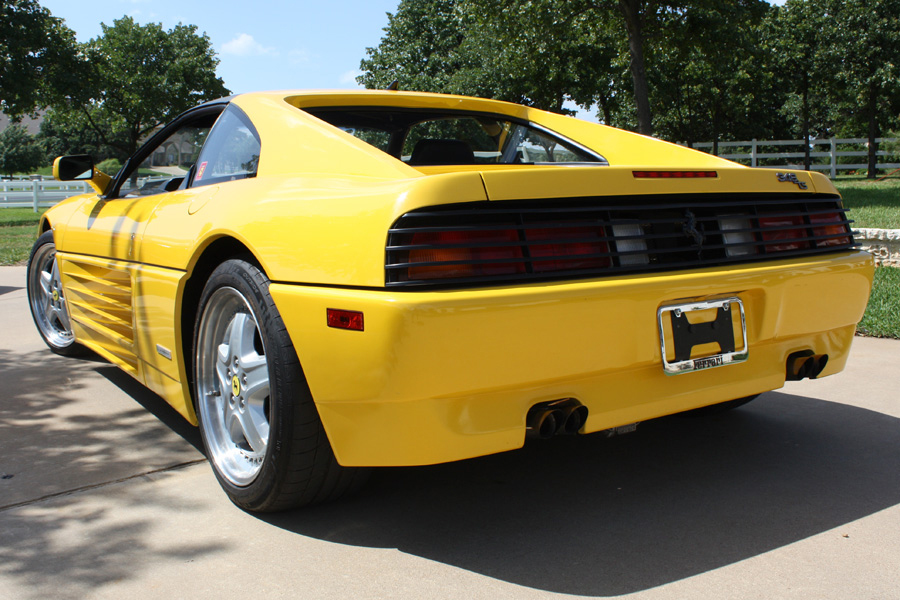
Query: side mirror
80, 167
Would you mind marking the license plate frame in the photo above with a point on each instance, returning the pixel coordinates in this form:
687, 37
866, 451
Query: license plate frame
686, 335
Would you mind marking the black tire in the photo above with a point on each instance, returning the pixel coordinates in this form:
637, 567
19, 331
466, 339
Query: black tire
264, 440
717, 409
46, 300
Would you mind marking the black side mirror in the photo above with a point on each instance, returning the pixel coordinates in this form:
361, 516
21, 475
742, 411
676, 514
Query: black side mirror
79, 167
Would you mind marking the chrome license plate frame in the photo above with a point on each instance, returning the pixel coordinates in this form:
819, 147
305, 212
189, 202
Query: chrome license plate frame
726, 312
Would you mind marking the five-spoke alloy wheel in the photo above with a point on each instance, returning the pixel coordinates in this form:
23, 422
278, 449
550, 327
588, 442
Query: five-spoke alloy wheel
46, 299
258, 421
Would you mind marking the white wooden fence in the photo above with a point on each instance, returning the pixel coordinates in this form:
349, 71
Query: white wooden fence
38, 193
24, 192
767, 153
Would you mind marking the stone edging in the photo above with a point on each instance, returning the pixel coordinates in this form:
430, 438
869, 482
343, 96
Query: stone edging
884, 244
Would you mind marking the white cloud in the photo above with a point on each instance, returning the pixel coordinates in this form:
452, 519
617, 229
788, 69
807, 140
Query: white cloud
350, 77
299, 56
245, 45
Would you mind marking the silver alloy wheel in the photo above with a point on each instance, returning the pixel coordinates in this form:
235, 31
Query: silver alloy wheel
233, 386
48, 304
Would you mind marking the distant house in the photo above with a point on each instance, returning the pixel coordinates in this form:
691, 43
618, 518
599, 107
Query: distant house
32, 125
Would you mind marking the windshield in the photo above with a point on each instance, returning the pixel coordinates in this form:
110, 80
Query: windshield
422, 138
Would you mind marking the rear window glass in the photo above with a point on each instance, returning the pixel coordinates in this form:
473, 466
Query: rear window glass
420, 137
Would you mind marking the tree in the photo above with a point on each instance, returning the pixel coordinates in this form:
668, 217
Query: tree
534, 52
37, 57
19, 151
866, 36
420, 48
711, 75
139, 77
794, 33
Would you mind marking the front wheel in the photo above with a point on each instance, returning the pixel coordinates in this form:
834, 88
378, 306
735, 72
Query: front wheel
258, 421
49, 308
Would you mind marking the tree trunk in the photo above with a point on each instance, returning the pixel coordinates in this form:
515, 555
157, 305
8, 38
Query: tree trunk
873, 130
806, 158
632, 12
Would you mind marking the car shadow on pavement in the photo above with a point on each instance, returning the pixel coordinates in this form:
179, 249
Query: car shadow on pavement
63, 430
5, 289
604, 517
154, 404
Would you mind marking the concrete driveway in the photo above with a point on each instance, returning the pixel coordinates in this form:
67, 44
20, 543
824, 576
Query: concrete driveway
104, 493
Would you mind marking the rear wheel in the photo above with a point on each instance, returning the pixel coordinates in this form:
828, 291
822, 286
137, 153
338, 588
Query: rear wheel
258, 420
46, 299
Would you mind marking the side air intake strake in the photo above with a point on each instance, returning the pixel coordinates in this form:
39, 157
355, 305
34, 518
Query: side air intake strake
488, 243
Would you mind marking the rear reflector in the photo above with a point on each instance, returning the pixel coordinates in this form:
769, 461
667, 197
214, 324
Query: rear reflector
674, 174
345, 319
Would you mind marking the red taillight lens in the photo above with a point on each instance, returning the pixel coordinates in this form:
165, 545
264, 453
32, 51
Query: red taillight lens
459, 254
576, 248
837, 233
780, 229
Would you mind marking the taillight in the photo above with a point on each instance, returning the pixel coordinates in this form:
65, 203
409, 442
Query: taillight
459, 254
575, 247
834, 235
787, 231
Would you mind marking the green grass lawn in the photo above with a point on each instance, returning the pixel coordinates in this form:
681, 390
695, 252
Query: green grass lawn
18, 230
882, 318
872, 203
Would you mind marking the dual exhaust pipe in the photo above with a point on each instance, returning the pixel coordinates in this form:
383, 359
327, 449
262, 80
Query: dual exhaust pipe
805, 363
547, 419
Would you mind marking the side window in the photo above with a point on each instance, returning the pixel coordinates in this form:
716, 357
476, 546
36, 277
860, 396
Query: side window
231, 150
165, 167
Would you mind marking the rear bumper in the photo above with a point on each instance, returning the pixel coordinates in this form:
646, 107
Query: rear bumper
448, 375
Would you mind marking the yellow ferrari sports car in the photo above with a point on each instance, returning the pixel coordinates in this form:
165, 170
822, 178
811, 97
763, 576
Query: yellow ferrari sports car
330, 281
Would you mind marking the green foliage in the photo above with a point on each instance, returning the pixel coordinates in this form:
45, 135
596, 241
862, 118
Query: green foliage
19, 151
110, 166
706, 69
882, 317
38, 58
706, 77
138, 77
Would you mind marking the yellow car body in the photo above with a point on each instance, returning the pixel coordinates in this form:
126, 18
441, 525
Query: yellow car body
448, 372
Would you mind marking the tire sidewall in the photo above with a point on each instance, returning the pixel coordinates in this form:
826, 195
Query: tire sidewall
249, 281
70, 349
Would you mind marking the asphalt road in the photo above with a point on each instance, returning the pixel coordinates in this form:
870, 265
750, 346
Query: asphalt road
105, 494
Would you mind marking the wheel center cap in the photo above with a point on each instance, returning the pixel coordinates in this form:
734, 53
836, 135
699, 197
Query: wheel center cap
235, 386
56, 295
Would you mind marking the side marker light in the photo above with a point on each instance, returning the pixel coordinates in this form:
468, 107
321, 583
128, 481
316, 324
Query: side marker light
345, 319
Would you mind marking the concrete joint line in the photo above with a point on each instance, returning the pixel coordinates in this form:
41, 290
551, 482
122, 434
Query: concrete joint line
100, 485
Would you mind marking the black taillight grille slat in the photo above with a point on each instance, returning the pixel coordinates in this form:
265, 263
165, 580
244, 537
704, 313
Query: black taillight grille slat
497, 242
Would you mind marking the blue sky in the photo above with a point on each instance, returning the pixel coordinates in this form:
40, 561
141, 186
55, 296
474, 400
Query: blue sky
262, 45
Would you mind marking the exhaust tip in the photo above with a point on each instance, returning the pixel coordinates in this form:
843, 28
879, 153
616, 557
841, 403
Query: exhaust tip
805, 364
551, 418
575, 420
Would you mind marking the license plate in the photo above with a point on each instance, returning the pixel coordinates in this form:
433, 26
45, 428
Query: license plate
686, 334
